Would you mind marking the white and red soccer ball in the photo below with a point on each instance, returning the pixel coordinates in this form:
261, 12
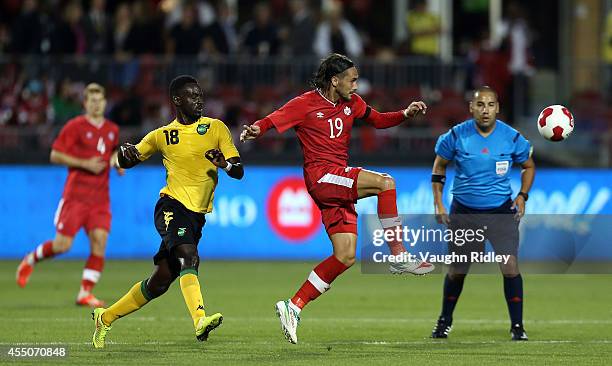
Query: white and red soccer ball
555, 123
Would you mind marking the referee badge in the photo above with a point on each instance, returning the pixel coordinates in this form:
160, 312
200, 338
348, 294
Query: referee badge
202, 129
501, 167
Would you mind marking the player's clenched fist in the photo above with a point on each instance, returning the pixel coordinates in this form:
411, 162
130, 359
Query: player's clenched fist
249, 132
216, 157
415, 108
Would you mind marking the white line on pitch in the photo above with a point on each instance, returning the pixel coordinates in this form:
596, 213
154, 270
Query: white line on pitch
86, 319
333, 343
376, 343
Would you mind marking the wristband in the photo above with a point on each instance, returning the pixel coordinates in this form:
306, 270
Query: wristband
228, 167
524, 195
438, 178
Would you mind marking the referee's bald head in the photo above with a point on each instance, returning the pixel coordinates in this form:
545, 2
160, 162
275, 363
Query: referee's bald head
483, 90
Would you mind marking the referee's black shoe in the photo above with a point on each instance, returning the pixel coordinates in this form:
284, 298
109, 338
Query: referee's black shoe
442, 328
518, 333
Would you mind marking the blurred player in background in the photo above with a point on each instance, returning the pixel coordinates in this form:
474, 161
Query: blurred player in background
87, 146
193, 147
483, 150
323, 119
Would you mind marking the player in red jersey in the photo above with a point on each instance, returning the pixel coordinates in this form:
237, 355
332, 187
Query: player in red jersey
323, 119
87, 146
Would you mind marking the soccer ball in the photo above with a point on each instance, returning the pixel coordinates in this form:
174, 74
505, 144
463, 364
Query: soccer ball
555, 123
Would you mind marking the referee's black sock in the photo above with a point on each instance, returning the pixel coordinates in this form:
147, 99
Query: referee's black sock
452, 290
513, 289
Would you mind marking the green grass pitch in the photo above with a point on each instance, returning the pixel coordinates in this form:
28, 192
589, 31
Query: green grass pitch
362, 320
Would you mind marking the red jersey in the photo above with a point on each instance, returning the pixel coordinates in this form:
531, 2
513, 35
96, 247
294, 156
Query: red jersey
322, 127
81, 139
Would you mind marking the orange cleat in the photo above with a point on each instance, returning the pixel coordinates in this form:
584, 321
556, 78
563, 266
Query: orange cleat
24, 271
91, 301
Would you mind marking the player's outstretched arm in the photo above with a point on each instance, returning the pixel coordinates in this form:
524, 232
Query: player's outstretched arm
256, 129
94, 165
249, 132
232, 166
438, 178
391, 119
415, 108
128, 156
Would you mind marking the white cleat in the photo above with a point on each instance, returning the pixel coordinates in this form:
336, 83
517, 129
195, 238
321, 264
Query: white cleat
416, 267
289, 319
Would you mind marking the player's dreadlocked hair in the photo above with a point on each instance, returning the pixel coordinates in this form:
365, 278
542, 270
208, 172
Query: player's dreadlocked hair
332, 65
179, 82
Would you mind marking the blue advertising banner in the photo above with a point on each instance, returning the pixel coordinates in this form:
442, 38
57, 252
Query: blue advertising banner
267, 215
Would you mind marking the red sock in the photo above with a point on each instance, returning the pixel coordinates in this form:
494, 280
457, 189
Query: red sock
42, 251
318, 281
389, 218
91, 273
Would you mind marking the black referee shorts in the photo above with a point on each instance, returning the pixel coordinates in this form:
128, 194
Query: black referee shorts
176, 225
498, 224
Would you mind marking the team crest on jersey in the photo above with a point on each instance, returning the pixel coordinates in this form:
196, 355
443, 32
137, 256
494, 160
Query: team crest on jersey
111, 136
202, 128
347, 110
501, 167
89, 134
319, 114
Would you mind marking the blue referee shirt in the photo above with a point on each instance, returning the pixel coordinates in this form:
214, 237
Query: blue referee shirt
482, 164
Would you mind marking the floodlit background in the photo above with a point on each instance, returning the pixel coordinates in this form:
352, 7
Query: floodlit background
251, 57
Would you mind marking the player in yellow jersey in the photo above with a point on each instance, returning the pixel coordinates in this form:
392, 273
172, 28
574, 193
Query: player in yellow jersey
193, 147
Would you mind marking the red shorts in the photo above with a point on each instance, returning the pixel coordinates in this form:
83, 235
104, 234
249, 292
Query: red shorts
71, 215
334, 190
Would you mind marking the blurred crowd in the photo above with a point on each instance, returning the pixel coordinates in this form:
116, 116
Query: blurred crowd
126, 36
50, 49
183, 27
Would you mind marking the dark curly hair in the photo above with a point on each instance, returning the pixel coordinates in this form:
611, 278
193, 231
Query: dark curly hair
179, 82
332, 65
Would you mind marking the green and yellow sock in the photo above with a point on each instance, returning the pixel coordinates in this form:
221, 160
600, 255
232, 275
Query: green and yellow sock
136, 298
190, 286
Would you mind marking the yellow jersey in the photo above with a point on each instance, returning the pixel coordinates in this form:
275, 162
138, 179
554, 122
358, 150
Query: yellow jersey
607, 40
190, 177
426, 45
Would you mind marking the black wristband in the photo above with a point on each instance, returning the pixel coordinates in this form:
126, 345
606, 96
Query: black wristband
438, 178
231, 166
524, 195
123, 161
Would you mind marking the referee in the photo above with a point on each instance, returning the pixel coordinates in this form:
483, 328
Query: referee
483, 150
